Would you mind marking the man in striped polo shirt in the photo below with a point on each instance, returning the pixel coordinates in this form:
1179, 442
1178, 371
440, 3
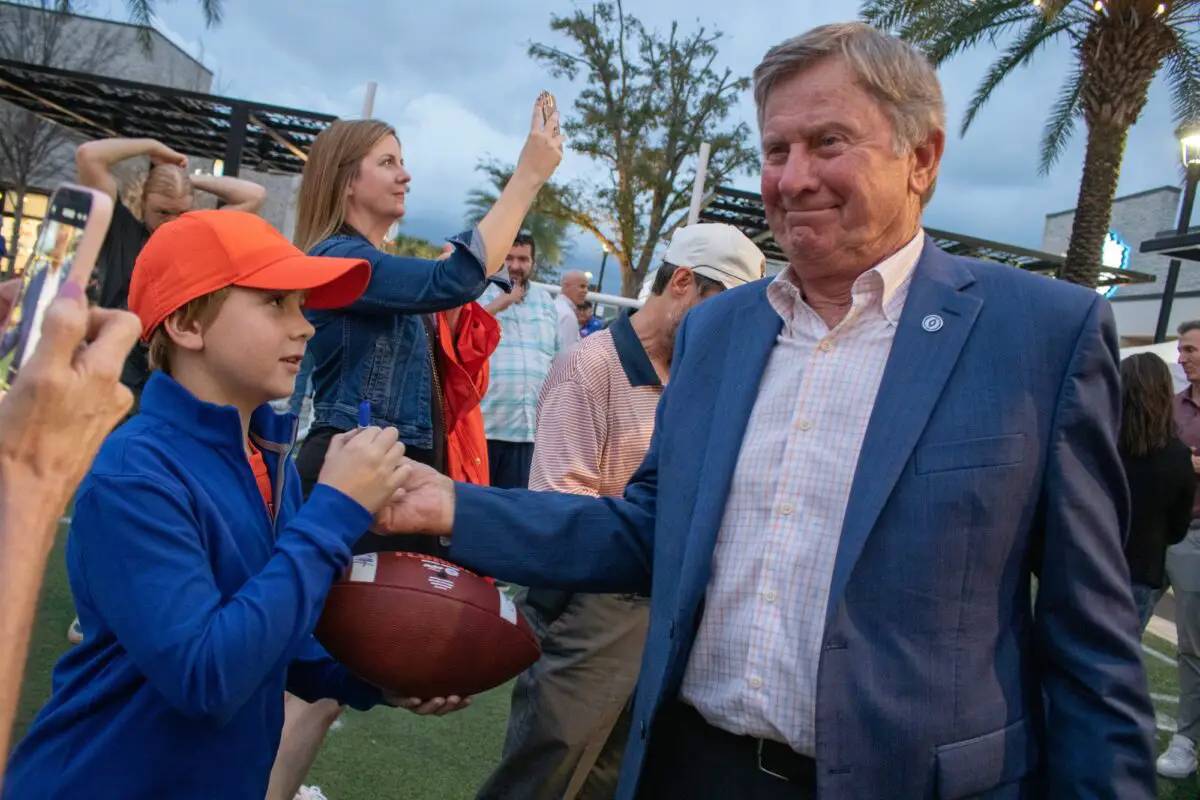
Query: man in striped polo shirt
568, 722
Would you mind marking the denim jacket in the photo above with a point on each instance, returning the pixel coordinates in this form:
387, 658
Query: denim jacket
376, 349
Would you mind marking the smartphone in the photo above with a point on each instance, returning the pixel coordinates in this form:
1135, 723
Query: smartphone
548, 106
68, 243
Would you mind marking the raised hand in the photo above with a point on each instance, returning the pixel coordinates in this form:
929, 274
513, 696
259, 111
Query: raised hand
161, 154
423, 504
543, 150
66, 399
367, 465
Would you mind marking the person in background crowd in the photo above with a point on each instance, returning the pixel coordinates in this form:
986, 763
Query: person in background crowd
569, 719
588, 322
574, 289
1158, 466
1183, 573
159, 195
3, 251
531, 337
382, 349
52, 421
855, 471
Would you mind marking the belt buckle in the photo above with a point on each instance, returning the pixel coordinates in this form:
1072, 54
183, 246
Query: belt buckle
761, 768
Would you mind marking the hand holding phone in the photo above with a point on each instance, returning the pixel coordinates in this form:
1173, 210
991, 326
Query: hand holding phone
544, 148
68, 243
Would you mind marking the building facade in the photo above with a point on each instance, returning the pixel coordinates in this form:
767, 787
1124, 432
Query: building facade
107, 49
1137, 218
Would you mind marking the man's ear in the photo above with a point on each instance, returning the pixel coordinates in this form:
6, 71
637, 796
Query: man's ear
926, 161
189, 336
682, 280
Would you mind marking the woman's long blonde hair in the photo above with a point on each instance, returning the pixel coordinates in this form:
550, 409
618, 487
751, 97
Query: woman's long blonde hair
164, 179
332, 164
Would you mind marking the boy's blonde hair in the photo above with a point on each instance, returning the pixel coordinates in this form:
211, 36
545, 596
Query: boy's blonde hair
202, 310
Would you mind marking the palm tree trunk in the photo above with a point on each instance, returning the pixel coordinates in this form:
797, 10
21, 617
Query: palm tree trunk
1093, 210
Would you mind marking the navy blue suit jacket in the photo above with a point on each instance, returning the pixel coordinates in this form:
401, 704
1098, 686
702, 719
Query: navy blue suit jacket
990, 453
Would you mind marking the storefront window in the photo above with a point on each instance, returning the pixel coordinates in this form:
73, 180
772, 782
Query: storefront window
34, 212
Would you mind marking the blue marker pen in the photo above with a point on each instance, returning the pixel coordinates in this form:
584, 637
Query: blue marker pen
364, 414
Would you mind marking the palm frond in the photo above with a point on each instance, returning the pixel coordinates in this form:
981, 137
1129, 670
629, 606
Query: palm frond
1018, 53
1061, 125
1183, 78
213, 11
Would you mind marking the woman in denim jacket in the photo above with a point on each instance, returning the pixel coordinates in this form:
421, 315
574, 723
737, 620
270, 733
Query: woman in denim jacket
378, 350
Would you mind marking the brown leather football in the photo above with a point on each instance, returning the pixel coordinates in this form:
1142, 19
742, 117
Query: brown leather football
418, 626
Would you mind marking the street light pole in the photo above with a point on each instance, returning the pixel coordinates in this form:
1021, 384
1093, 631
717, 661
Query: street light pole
603, 261
1189, 138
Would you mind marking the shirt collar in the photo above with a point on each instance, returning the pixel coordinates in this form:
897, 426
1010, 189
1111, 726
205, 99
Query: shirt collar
894, 272
219, 426
630, 352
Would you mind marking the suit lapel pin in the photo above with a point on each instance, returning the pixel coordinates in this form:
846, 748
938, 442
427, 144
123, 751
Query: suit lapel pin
932, 323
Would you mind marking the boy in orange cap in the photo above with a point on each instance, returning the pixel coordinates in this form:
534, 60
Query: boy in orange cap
198, 569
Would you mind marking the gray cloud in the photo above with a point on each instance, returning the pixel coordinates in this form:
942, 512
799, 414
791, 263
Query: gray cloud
455, 79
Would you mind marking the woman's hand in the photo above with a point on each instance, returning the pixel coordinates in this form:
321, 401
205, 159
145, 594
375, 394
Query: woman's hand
67, 397
543, 149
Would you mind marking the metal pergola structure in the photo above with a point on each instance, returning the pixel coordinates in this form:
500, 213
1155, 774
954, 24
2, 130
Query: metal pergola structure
744, 210
260, 136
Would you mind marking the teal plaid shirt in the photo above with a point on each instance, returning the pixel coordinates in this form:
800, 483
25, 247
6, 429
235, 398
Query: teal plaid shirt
529, 340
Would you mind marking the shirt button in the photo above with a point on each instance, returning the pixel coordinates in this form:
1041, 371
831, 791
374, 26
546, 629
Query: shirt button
756, 683
769, 595
786, 508
804, 425
826, 345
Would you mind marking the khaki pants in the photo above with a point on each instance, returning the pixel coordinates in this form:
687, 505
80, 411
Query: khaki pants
1183, 569
569, 718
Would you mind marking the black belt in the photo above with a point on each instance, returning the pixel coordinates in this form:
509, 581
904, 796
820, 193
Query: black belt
773, 758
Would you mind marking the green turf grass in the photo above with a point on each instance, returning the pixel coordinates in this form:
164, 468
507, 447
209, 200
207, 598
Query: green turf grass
389, 753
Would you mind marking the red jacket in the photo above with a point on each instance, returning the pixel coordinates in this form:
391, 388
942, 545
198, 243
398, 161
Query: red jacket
465, 345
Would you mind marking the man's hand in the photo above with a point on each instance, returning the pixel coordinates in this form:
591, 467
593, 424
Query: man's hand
423, 504
1195, 463
438, 706
367, 465
506, 299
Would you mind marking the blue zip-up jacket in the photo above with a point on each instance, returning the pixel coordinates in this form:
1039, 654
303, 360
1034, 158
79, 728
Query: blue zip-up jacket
376, 349
197, 610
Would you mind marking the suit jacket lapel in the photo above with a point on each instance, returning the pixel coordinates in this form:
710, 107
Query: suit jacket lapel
933, 328
751, 337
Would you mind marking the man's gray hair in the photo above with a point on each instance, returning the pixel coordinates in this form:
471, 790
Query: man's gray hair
900, 79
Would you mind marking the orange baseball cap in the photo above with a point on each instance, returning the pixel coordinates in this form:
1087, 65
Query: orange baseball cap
203, 251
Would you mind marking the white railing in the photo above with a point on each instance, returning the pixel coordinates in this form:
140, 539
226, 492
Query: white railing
596, 297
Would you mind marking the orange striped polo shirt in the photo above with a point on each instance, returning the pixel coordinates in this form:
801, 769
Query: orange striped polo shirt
595, 414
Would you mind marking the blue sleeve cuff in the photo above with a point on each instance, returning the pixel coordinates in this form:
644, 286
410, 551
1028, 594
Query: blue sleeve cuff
473, 241
336, 514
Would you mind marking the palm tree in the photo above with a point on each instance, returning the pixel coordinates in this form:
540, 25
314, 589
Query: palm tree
141, 13
1119, 47
547, 222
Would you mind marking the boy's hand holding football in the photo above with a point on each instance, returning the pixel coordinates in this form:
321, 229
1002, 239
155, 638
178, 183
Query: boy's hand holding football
367, 465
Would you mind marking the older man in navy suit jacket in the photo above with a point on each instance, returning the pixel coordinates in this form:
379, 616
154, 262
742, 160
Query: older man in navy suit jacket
856, 469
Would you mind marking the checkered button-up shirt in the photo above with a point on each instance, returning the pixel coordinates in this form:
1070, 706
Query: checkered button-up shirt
753, 668
529, 340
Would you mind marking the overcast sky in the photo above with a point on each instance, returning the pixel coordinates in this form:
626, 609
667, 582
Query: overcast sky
455, 79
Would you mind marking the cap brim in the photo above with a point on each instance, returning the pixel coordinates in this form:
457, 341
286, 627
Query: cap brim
330, 282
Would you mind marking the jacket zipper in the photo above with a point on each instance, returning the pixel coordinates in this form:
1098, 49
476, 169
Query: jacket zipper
437, 384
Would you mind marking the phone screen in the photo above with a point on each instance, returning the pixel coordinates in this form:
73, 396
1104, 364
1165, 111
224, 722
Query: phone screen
48, 266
